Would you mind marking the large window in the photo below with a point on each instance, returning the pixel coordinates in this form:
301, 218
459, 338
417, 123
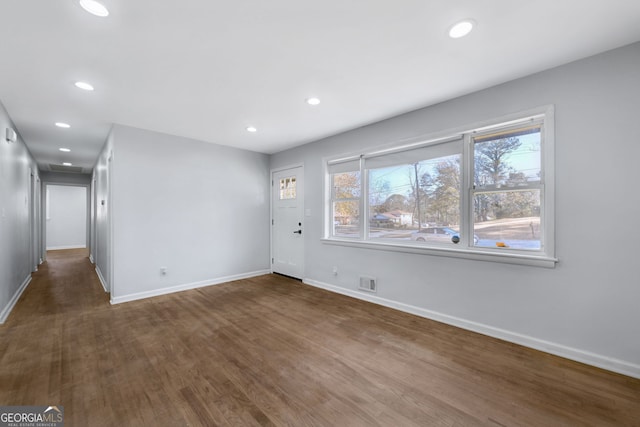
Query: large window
486, 192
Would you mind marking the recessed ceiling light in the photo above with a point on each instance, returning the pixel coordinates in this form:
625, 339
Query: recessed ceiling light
63, 125
83, 85
94, 8
66, 150
313, 101
67, 164
461, 29
252, 129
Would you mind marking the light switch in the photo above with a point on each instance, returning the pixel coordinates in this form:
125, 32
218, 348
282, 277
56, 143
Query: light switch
307, 212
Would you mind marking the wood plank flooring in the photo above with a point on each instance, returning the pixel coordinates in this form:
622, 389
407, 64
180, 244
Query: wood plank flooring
271, 351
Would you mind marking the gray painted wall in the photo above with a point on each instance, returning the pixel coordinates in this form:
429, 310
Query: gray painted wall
585, 308
65, 178
201, 210
101, 203
66, 217
17, 254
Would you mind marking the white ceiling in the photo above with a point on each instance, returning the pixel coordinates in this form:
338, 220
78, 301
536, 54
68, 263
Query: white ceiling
207, 69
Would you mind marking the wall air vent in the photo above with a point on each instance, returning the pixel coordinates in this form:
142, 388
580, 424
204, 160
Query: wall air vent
368, 284
60, 168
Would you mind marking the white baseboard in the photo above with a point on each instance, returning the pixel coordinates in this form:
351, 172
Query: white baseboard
91, 258
101, 278
4, 314
186, 287
58, 248
604, 362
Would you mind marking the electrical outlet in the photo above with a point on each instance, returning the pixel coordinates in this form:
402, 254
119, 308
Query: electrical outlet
163, 270
335, 270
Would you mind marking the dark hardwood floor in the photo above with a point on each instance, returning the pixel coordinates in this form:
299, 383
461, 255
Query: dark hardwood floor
272, 351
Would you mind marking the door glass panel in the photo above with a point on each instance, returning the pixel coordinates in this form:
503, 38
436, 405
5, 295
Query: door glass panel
287, 188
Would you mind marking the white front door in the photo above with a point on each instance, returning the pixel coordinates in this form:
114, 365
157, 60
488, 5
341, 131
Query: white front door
287, 238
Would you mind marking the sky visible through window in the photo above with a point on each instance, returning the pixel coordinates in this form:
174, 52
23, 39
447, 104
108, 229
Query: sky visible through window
398, 179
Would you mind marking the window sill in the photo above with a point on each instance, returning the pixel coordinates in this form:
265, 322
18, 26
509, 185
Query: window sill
473, 254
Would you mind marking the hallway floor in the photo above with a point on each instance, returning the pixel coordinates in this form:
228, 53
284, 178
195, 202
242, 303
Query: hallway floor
271, 351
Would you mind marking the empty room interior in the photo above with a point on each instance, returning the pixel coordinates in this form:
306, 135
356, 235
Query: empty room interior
361, 213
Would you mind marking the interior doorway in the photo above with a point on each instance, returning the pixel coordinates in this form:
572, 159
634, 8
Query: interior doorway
66, 217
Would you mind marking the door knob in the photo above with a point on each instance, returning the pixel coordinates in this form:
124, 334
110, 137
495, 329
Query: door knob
297, 232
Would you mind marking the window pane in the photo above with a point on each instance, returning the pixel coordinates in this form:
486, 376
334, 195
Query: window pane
507, 159
346, 218
404, 199
509, 219
346, 185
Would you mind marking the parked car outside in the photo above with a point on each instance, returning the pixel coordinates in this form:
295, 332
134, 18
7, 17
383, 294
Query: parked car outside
438, 234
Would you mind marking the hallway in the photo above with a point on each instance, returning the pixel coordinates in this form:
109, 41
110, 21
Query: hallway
47, 333
65, 284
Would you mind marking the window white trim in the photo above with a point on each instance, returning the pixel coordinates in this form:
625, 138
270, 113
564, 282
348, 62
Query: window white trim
483, 254
543, 258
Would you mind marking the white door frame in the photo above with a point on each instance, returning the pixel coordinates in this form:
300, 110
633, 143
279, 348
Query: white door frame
87, 188
272, 195
34, 250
